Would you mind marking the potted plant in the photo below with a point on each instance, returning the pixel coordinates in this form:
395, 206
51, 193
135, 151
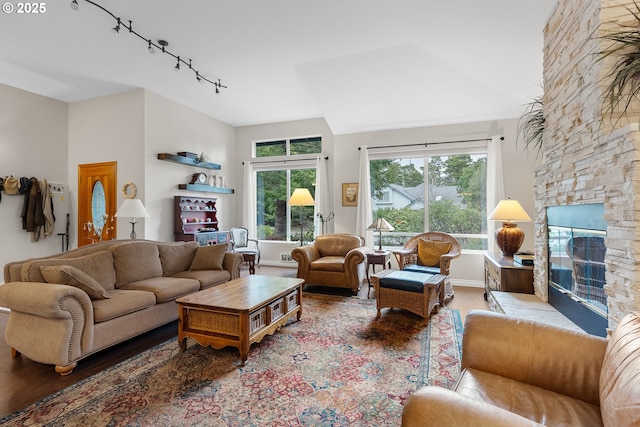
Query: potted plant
531, 125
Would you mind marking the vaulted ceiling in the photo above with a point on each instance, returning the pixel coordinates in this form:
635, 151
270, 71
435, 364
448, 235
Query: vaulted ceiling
360, 64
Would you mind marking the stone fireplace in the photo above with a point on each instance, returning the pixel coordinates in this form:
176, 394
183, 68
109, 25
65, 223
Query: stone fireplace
588, 157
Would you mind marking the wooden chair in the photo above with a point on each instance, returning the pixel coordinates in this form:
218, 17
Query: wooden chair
407, 257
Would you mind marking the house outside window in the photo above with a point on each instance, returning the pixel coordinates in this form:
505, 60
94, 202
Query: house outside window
453, 186
283, 165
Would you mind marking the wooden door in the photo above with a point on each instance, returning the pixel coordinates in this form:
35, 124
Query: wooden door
97, 202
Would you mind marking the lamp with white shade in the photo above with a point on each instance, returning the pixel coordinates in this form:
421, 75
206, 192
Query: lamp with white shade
380, 225
509, 238
301, 197
135, 209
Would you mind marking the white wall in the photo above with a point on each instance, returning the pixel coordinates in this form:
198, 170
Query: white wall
170, 128
344, 167
33, 142
108, 129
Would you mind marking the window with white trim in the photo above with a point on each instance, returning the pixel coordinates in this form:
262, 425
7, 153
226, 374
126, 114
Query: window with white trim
283, 165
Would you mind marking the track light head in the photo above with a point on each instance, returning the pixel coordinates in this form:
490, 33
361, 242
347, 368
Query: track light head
75, 5
117, 27
177, 67
150, 48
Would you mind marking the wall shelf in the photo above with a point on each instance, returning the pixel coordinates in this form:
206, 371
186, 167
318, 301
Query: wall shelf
187, 161
205, 188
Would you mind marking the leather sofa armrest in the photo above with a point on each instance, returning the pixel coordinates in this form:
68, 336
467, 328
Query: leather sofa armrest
357, 255
305, 255
232, 262
557, 359
436, 406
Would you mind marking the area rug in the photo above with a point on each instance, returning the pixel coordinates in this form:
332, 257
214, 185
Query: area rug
337, 366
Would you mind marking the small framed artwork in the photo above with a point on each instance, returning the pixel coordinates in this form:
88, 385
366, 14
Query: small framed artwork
349, 194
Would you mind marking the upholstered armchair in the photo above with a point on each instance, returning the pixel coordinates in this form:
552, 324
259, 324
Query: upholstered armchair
430, 252
337, 260
240, 242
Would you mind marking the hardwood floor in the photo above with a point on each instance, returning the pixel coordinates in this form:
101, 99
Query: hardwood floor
23, 381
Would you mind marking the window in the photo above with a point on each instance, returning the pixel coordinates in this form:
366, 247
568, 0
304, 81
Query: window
291, 167
444, 193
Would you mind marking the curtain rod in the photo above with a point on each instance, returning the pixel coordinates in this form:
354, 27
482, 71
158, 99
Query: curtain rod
285, 161
426, 144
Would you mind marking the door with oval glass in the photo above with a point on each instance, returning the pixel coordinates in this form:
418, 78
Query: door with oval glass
96, 202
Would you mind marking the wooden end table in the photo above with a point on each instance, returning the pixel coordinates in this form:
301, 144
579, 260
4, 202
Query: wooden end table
240, 312
382, 258
250, 258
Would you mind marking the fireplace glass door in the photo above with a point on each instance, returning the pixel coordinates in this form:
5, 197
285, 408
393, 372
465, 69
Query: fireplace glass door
576, 238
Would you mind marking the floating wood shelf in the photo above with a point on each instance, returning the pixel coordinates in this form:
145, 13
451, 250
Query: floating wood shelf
188, 161
205, 188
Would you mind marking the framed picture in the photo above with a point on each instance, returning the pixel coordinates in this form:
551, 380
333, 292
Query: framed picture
349, 194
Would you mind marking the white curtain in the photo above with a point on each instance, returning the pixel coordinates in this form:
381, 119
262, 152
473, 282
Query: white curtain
364, 217
495, 187
249, 214
322, 194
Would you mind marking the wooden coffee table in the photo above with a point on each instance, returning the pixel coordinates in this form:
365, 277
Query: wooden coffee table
240, 312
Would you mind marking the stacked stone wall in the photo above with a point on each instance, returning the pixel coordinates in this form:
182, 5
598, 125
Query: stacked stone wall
589, 157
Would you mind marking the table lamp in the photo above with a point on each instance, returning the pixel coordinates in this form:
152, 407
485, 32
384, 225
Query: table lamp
135, 209
301, 197
509, 238
380, 225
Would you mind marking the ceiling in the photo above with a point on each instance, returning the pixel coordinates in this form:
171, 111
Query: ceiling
361, 64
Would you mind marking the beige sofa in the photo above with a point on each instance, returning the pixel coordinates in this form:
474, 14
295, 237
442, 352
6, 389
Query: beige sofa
525, 373
112, 291
337, 260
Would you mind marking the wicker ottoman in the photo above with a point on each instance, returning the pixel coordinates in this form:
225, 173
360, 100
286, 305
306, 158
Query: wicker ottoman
418, 293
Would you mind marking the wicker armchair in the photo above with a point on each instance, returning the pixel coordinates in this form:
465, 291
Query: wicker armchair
407, 257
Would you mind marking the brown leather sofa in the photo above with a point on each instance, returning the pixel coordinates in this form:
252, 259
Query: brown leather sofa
524, 373
337, 260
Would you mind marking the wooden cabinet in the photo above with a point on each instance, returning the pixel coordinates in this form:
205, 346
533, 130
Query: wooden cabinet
504, 275
195, 218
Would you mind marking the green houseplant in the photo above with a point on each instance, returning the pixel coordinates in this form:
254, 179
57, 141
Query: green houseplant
624, 85
531, 125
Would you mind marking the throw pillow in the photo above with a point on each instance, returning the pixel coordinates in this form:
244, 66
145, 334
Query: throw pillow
67, 275
209, 258
430, 251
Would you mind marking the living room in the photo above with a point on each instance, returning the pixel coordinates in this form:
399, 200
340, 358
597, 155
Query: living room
49, 138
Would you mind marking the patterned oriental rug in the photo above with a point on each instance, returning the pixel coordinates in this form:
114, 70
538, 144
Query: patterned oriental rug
337, 366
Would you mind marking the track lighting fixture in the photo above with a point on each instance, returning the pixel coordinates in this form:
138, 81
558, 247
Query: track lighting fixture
161, 44
117, 27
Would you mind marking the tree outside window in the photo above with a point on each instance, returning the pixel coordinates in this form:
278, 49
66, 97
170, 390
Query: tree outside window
453, 186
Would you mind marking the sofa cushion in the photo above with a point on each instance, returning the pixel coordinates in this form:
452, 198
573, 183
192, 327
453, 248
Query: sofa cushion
134, 261
535, 403
176, 257
98, 265
165, 288
328, 263
208, 257
67, 275
207, 278
430, 251
337, 244
121, 302
619, 391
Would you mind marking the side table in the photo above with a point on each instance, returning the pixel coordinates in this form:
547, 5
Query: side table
250, 259
382, 258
